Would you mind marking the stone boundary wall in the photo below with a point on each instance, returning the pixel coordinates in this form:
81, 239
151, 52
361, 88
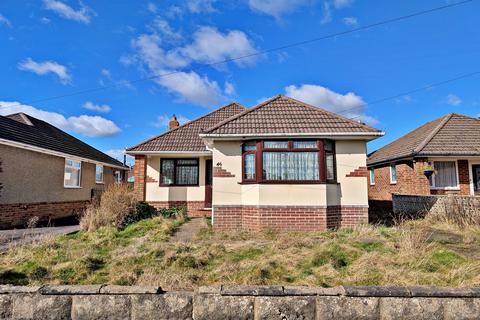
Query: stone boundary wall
414, 204
238, 302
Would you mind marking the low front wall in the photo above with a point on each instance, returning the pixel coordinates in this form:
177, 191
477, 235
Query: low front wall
238, 302
18, 214
420, 204
287, 218
194, 208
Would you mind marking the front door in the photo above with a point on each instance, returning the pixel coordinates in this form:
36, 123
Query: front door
476, 178
208, 183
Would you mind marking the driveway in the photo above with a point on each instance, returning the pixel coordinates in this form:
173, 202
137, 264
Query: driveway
22, 236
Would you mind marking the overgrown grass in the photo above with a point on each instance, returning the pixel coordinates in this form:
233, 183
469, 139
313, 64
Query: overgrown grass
413, 253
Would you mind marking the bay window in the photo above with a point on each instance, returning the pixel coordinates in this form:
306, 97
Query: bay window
72, 174
289, 161
445, 175
179, 172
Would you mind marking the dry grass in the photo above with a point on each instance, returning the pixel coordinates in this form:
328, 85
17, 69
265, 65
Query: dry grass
414, 253
460, 211
116, 204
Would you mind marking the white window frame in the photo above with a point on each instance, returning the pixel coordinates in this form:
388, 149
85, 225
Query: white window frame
117, 174
79, 176
372, 176
393, 165
457, 187
103, 174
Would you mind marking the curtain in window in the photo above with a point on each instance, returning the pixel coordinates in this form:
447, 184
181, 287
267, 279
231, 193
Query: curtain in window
167, 171
290, 166
72, 173
329, 161
304, 144
445, 174
275, 144
186, 175
249, 170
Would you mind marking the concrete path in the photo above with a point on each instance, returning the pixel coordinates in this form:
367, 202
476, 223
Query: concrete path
186, 231
22, 236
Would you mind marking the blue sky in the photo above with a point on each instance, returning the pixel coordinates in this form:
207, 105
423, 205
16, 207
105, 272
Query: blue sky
58, 47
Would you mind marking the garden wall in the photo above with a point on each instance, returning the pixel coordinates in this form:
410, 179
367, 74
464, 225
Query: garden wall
238, 302
413, 204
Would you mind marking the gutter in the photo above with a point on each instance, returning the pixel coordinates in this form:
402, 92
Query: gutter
343, 135
206, 153
57, 153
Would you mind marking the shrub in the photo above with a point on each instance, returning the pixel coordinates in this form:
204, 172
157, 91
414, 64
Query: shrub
177, 213
118, 207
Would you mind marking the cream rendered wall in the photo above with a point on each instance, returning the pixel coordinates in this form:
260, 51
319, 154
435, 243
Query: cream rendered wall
351, 155
228, 191
155, 192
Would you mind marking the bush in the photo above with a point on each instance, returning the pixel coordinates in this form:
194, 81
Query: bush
174, 212
118, 207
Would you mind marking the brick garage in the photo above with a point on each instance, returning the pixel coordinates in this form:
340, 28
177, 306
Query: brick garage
287, 218
18, 214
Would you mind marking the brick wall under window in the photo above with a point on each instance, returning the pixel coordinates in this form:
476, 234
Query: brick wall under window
194, 208
287, 218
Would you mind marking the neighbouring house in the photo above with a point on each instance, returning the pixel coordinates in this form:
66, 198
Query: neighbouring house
47, 173
440, 157
282, 165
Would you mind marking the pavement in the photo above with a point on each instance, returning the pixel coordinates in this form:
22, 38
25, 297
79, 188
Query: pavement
23, 236
187, 230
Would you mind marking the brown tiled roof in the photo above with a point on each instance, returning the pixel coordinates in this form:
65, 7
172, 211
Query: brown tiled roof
450, 135
284, 115
27, 130
186, 137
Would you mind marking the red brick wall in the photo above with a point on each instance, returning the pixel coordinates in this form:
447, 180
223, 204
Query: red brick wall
411, 180
18, 214
194, 208
140, 172
287, 218
219, 172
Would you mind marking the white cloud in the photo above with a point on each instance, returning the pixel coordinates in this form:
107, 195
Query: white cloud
200, 6
46, 67
5, 21
193, 88
229, 88
44, 20
350, 21
340, 4
349, 105
454, 100
117, 83
163, 120
152, 7
118, 154
104, 108
276, 8
162, 27
91, 126
83, 15
327, 13
209, 45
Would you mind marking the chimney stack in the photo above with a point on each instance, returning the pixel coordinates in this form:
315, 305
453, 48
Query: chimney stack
173, 123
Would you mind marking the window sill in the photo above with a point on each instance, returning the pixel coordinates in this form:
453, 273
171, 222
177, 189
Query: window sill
67, 187
286, 182
178, 185
446, 188
99, 182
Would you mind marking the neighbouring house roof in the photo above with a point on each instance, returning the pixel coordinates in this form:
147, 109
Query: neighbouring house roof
450, 135
22, 130
282, 115
186, 137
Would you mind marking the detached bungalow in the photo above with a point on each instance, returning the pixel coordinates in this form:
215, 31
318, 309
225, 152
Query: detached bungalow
440, 157
282, 165
47, 173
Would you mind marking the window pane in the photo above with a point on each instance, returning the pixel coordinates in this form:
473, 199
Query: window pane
187, 162
328, 145
393, 173
99, 173
330, 163
250, 146
304, 144
167, 172
372, 176
249, 169
275, 144
290, 166
186, 175
72, 177
445, 174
